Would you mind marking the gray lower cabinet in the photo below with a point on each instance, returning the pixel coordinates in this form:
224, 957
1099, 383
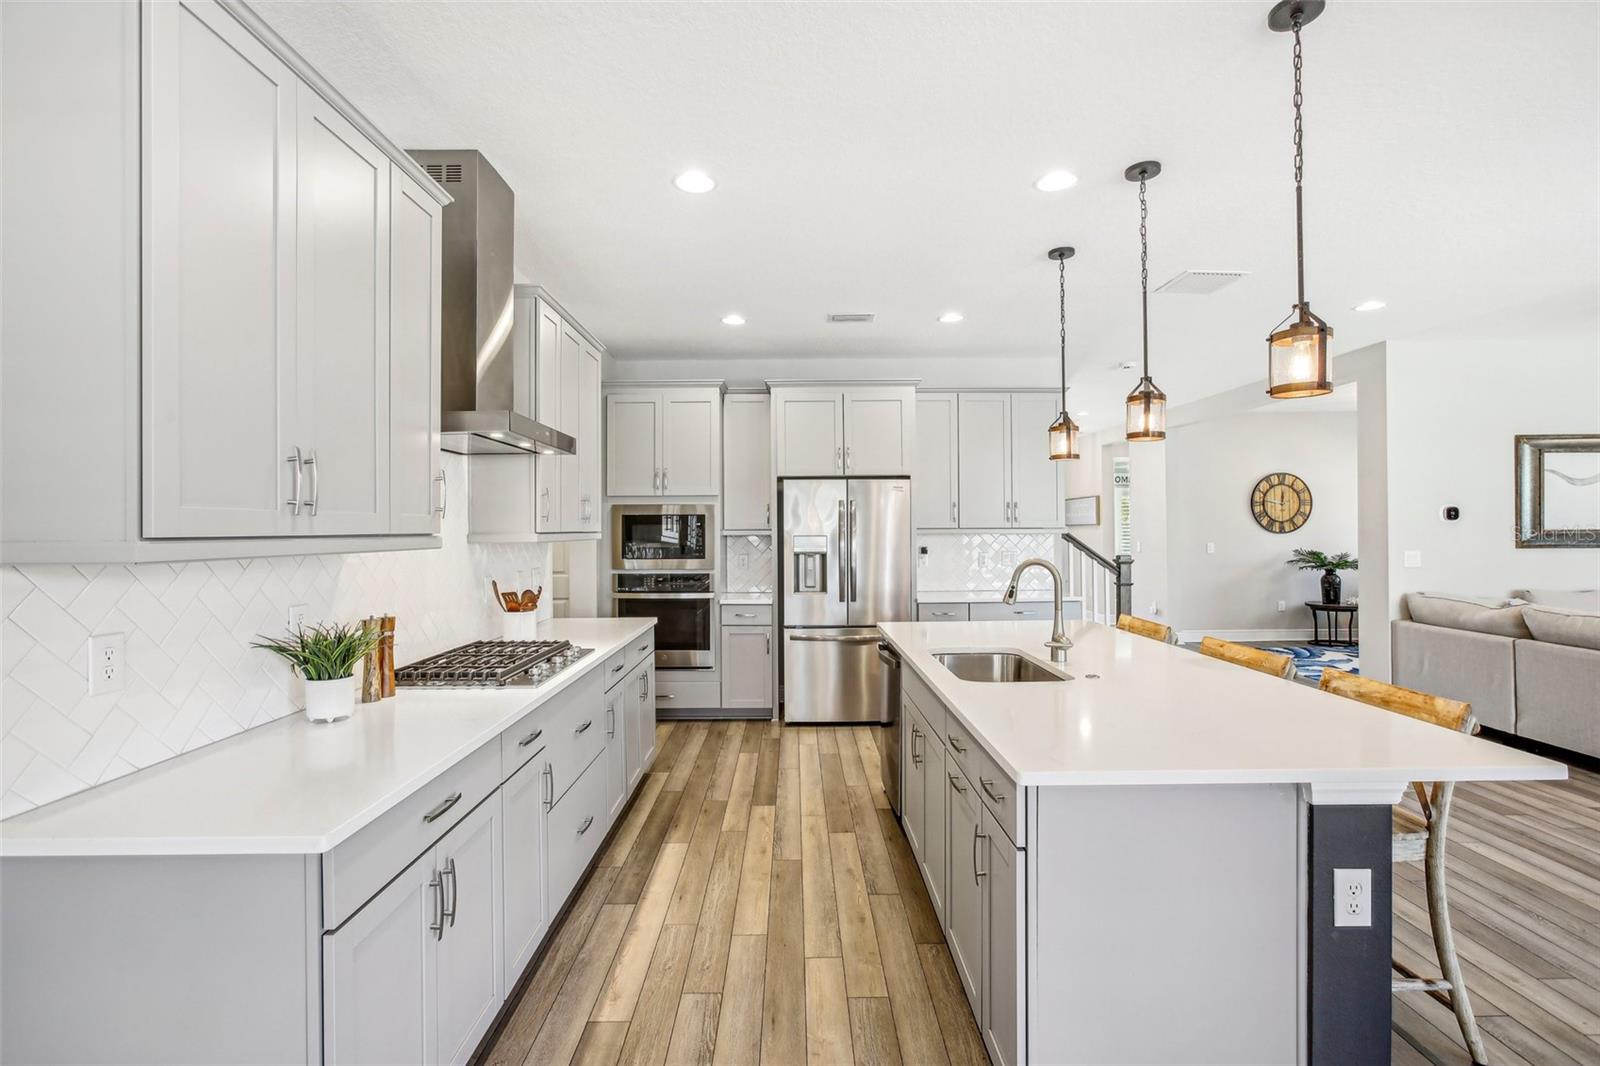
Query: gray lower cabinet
963, 914
415, 975
746, 667
616, 753
923, 803
1002, 912
639, 731
527, 917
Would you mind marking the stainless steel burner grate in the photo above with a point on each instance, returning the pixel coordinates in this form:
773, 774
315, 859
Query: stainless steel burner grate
492, 663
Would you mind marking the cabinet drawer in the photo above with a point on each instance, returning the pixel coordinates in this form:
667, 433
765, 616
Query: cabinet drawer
574, 829
1000, 796
747, 614
358, 868
641, 648
942, 612
576, 733
673, 694
1028, 611
931, 708
615, 668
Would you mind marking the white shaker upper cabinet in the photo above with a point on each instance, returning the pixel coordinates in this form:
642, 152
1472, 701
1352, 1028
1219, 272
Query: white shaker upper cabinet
691, 442
879, 431
219, 294
1037, 501
571, 358
747, 461
808, 432
547, 470
633, 439
418, 494
985, 426
588, 437
935, 476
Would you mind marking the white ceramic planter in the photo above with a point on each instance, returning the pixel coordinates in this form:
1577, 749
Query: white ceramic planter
331, 701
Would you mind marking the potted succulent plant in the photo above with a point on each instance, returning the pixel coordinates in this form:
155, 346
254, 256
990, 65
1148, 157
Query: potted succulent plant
1330, 565
326, 656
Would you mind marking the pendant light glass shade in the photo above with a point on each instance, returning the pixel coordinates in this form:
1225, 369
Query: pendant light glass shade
1063, 431
1297, 353
1063, 437
1147, 412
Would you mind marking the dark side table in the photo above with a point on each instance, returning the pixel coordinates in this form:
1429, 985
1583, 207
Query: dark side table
1333, 611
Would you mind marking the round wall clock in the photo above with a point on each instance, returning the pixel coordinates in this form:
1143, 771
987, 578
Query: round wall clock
1281, 503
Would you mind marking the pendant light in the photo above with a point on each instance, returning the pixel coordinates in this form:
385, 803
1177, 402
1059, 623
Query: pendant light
1147, 405
1064, 431
1297, 351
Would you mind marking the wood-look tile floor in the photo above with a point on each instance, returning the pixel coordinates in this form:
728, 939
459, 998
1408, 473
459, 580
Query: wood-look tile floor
759, 904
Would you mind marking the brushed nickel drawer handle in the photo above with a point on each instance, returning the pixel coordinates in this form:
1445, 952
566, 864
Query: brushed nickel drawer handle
956, 744
988, 786
436, 927
530, 738
617, 669
438, 812
738, 614
587, 822
668, 696
644, 646
450, 885
955, 783
977, 873
584, 728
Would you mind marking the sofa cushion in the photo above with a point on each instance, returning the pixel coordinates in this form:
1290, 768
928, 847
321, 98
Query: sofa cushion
1460, 665
1580, 629
1570, 599
1556, 702
1497, 615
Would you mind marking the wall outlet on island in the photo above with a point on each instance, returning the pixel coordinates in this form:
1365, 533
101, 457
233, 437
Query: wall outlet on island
1352, 898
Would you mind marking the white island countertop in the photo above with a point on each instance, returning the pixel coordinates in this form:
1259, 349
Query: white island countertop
297, 787
1154, 713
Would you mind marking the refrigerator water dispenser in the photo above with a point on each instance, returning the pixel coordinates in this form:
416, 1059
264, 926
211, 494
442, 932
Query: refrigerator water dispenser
810, 564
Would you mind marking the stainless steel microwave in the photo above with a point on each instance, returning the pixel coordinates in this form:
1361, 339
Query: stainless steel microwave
663, 536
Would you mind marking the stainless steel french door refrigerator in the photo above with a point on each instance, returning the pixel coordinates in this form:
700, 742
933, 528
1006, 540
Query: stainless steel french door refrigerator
845, 567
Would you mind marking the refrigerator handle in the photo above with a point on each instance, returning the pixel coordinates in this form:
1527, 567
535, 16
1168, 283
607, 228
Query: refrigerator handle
844, 548
852, 551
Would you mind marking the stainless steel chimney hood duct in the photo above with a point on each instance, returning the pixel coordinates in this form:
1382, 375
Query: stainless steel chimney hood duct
479, 414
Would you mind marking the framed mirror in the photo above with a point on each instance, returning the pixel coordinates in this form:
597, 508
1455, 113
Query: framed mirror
1558, 491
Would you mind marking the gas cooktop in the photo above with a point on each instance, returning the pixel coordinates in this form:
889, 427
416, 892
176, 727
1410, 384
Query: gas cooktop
492, 664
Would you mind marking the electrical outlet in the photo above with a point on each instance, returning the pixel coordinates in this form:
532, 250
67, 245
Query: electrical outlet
1352, 898
1211, 549
297, 616
1412, 560
1282, 606
108, 653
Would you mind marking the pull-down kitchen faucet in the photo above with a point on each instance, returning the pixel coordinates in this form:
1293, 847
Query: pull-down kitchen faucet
1058, 642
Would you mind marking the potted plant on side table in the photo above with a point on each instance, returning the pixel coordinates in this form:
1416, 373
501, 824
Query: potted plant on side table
1330, 565
326, 656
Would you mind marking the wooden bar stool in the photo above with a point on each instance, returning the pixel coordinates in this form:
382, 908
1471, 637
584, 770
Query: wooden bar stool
1244, 655
1143, 627
1423, 838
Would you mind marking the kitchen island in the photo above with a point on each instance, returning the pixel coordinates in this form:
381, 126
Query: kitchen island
1133, 860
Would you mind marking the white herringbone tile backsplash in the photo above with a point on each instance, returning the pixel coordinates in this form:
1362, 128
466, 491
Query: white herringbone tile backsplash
192, 676
980, 562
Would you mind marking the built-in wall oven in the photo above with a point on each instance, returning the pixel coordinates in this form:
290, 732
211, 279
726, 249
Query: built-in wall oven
684, 607
662, 536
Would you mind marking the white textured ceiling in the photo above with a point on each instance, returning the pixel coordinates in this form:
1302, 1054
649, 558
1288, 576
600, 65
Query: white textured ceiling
881, 157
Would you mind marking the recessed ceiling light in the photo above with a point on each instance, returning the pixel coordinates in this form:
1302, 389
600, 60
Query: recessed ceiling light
1083, 414
733, 320
950, 317
1056, 181
1370, 305
694, 181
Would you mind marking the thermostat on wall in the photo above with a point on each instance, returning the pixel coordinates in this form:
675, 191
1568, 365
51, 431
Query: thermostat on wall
1450, 513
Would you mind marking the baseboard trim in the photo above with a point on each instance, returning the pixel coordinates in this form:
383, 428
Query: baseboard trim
1243, 636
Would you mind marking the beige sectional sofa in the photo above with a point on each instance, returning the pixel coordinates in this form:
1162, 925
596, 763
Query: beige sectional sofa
1528, 663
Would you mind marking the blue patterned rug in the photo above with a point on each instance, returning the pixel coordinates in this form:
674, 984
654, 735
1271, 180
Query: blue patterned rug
1309, 662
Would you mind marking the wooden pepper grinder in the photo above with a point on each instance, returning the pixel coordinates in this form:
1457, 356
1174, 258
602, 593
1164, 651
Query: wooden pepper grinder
387, 657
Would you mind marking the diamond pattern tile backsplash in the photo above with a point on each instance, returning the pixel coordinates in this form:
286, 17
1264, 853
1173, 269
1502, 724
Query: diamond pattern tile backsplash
962, 562
192, 677
749, 563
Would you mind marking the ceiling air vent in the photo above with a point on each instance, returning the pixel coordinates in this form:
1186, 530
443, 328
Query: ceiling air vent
444, 173
853, 316
1201, 282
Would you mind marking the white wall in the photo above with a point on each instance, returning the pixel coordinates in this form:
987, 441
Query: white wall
192, 677
1211, 468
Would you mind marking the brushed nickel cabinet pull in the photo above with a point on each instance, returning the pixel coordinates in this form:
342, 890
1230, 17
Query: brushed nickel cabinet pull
450, 898
549, 787
530, 738
977, 873
587, 822
294, 496
436, 927
584, 728
438, 812
617, 669
444, 500
316, 481
988, 786
955, 782
957, 745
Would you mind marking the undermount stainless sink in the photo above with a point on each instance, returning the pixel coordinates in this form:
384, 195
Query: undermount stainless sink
998, 666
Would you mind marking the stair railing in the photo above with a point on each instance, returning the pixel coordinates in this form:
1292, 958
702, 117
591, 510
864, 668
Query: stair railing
1104, 585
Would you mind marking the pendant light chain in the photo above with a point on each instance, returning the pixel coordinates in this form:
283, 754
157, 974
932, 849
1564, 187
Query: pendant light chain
1144, 271
1062, 263
1299, 171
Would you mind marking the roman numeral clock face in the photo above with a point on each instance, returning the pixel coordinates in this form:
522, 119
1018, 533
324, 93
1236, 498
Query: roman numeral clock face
1281, 503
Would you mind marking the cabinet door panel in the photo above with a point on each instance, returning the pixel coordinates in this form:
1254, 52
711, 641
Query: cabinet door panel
571, 417
935, 843
647, 715
469, 978
219, 237
548, 470
588, 434
633, 433
934, 479
809, 430
964, 902
1035, 477
1001, 1020
378, 975
342, 311
913, 809
985, 426
878, 431
746, 462
522, 830
416, 488
746, 667
691, 443
616, 753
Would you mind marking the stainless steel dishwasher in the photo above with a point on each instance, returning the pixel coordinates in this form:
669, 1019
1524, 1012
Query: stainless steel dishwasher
889, 723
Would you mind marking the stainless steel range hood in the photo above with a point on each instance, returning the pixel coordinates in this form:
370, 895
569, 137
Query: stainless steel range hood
480, 415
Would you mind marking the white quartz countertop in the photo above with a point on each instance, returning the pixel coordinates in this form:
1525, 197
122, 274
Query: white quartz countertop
987, 596
293, 786
1160, 714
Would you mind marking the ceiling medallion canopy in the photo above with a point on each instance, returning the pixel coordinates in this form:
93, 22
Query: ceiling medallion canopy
1297, 350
